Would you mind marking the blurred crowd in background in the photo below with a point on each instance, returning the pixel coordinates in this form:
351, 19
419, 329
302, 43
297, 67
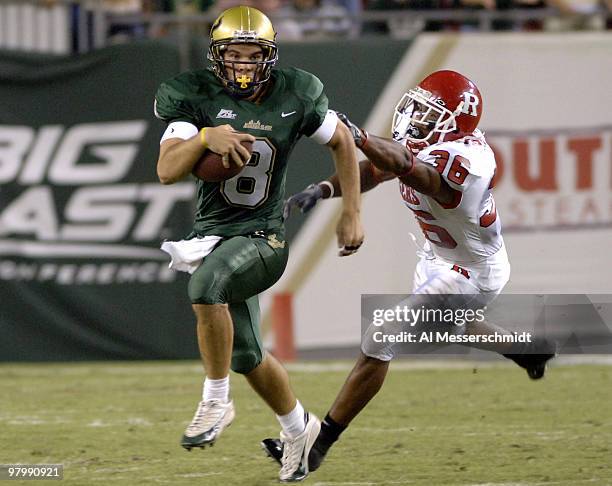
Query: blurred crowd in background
37, 24
303, 19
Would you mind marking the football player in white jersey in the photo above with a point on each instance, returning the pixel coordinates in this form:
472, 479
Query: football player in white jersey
446, 171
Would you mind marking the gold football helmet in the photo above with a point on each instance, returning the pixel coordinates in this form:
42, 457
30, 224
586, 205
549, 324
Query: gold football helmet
242, 25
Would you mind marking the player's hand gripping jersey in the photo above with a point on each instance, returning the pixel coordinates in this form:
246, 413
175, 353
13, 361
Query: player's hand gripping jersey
253, 200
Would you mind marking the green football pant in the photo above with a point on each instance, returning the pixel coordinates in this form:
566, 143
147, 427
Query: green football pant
236, 271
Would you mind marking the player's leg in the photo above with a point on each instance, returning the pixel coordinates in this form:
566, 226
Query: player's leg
208, 291
435, 274
363, 383
267, 377
299, 428
216, 283
529, 355
271, 382
215, 338
532, 356
215, 411
367, 376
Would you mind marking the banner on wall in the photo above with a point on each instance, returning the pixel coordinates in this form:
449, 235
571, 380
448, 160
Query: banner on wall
553, 180
82, 213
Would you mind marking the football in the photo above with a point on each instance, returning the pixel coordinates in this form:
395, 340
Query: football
210, 167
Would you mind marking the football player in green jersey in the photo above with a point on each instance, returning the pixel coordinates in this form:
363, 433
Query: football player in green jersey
237, 248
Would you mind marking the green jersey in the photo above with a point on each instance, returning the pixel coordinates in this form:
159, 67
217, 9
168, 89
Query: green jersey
253, 200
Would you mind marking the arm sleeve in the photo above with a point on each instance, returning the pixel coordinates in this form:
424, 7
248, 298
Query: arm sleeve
326, 131
310, 89
172, 105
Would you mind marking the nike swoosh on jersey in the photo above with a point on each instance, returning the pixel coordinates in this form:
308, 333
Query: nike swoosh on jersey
283, 114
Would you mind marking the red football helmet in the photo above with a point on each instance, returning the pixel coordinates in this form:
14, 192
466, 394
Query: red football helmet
444, 106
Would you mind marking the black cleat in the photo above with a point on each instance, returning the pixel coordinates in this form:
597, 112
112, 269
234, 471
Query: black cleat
317, 454
273, 448
534, 360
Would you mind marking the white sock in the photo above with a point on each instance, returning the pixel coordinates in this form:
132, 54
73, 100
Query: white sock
293, 424
216, 389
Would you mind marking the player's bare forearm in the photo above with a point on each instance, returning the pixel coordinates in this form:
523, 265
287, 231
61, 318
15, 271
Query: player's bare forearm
426, 179
349, 230
347, 172
177, 158
305, 200
390, 156
369, 178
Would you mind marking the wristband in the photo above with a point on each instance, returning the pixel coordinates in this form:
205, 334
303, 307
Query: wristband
364, 139
331, 188
203, 138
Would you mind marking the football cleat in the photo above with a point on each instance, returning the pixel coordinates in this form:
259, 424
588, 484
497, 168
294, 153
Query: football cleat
540, 352
209, 421
273, 449
317, 454
294, 462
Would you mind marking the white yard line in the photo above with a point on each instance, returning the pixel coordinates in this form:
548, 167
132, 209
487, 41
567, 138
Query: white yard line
99, 370
401, 365
381, 483
541, 483
361, 483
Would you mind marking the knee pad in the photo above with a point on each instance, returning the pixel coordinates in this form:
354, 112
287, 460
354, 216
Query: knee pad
245, 361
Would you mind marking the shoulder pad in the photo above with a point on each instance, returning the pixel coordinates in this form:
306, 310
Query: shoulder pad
303, 83
174, 98
479, 161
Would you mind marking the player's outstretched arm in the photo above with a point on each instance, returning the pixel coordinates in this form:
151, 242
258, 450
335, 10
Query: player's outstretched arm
391, 156
349, 230
369, 178
177, 156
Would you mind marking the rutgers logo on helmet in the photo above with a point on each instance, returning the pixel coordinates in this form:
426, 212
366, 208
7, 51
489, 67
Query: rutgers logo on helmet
242, 25
445, 106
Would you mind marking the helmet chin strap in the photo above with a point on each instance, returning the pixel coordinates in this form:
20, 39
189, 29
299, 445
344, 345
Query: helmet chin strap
253, 93
240, 87
241, 93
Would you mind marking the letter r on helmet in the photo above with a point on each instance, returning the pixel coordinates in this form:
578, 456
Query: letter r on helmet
470, 102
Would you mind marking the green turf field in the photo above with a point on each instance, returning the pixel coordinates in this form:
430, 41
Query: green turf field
120, 424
